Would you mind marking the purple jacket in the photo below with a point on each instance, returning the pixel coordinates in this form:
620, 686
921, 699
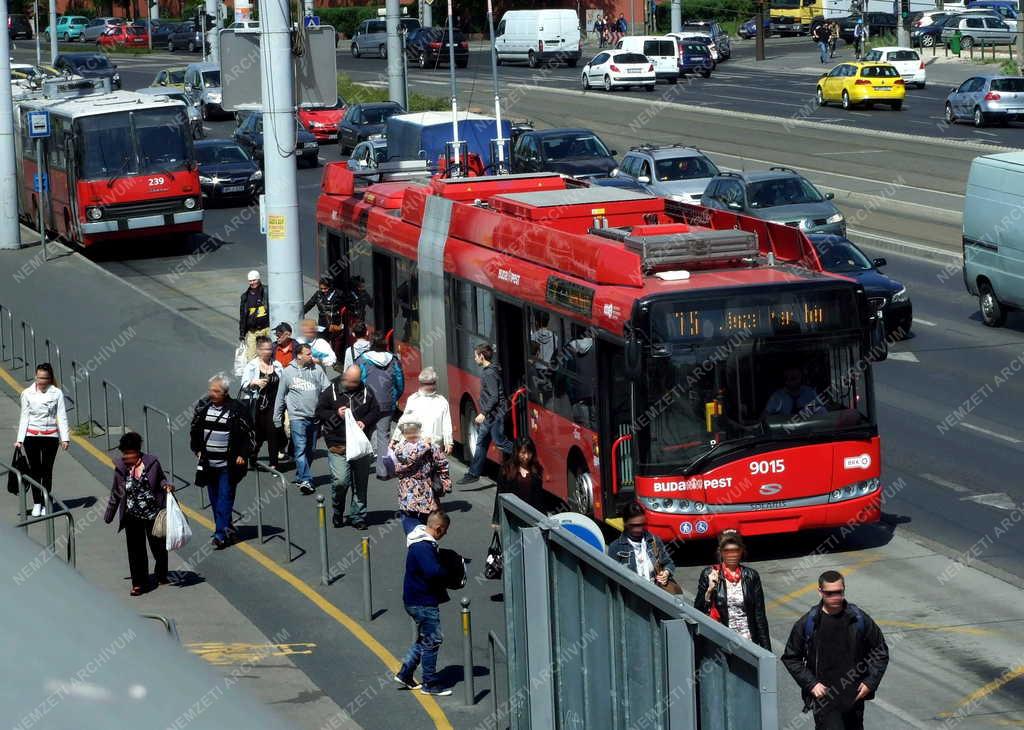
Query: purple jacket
152, 472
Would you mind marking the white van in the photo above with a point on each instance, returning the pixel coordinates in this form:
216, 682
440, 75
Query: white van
538, 35
663, 52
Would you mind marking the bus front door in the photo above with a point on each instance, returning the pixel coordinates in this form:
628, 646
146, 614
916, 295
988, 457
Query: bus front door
616, 427
510, 323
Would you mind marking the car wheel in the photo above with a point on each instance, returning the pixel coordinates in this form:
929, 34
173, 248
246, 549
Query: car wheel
423, 60
950, 116
531, 59
847, 104
819, 96
979, 117
649, 87
585, 81
706, 74
896, 105
497, 60
607, 82
355, 50
927, 41
921, 85
966, 42
992, 312
382, 51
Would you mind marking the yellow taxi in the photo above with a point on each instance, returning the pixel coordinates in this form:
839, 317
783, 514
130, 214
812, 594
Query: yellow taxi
173, 77
862, 83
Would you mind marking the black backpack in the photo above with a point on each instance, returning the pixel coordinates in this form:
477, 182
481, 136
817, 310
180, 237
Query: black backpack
454, 566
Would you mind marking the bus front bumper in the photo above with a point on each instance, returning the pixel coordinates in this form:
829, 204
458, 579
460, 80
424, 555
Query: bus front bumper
93, 228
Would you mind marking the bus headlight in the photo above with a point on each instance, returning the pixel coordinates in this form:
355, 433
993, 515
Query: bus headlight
674, 506
852, 491
190, 203
94, 214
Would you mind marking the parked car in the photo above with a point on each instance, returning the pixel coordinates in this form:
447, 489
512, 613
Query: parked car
539, 36
574, 152
695, 57
987, 100
368, 155
124, 36
18, 27
99, 26
173, 76
672, 171
841, 256
365, 121
1005, 13
929, 31
749, 29
188, 35
906, 60
249, 135
226, 171
202, 80
428, 47
89, 66
70, 27
862, 83
702, 38
195, 117
160, 30
778, 194
618, 69
877, 23
976, 29
716, 32
371, 36
662, 51
323, 121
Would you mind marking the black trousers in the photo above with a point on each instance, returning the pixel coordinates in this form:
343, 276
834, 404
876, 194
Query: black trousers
830, 719
266, 432
41, 452
136, 534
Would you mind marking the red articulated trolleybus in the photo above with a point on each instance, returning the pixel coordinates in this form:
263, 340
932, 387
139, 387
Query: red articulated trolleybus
119, 164
698, 361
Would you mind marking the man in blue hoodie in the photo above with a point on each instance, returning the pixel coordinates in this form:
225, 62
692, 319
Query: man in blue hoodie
382, 374
422, 593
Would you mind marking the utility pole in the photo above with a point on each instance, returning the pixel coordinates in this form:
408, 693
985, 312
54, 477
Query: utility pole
396, 82
428, 14
281, 199
38, 31
212, 33
10, 229
1019, 51
53, 32
498, 159
759, 38
677, 16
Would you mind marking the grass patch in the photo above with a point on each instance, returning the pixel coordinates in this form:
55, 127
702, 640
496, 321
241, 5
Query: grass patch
81, 429
882, 41
355, 93
107, 50
1010, 67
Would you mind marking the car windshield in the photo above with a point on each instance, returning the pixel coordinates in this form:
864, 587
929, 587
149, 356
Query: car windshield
573, 145
684, 168
338, 104
133, 143
176, 76
842, 257
378, 115
903, 56
879, 72
136, 30
211, 79
782, 191
629, 58
1010, 85
209, 154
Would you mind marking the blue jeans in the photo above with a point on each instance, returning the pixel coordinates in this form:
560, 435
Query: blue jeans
428, 643
347, 475
222, 500
304, 434
823, 50
489, 430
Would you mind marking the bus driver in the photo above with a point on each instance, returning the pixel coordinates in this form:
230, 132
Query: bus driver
794, 397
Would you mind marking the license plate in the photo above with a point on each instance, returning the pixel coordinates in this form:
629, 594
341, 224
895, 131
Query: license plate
633, 70
332, 136
234, 188
882, 88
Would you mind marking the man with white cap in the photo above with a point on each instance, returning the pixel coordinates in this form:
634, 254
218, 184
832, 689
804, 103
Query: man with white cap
253, 314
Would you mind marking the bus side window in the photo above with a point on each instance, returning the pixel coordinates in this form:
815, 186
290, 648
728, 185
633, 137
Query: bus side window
582, 377
407, 315
472, 312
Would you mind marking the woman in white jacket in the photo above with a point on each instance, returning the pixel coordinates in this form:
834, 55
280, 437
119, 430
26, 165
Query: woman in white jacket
430, 409
43, 427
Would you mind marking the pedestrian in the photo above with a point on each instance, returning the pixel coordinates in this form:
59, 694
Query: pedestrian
360, 345
328, 303
599, 30
323, 353
833, 38
837, 654
642, 551
299, 392
522, 475
138, 494
731, 593
860, 38
347, 393
383, 376
622, 26
253, 314
490, 422
423, 476
821, 37
357, 299
260, 381
423, 592
430, 409
42, 429
222, 439
284, 345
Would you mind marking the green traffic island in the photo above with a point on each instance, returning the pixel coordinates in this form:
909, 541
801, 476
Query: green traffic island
356, 93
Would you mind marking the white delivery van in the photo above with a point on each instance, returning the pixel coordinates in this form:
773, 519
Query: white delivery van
663, 52
535, 36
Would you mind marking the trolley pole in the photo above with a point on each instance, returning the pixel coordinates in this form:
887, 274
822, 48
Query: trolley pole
10, 230
396, 80
281, 200
53, 34
677, 16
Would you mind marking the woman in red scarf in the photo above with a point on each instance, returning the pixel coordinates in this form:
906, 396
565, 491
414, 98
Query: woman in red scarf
732, 594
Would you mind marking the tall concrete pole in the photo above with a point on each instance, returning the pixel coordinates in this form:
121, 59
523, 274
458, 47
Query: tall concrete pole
154, 10
10, 230
53, 32
428, 14
38, 32
281, 200
212, 34
677, 16
396, 69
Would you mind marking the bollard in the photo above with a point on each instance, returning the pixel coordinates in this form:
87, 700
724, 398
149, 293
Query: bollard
321, 512
367, 583
259, 508
467, 652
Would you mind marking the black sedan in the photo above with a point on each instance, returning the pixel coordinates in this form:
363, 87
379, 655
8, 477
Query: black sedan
879, 24
365, 121
162, 33
429, 48
841, 256
249, 137
226, 171
574, 152
89, 65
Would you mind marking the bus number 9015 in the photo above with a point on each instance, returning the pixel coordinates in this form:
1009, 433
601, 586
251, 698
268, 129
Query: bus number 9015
774, 466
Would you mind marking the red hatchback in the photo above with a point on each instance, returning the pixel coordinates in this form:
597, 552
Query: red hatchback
323, 121
132, 36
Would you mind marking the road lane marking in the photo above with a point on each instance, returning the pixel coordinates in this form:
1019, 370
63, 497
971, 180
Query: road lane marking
976, 630
903, 356
224, 654
993, 434
945, 483
429, 704
925, 322
800, 592
851, 152
998, 500
986, 689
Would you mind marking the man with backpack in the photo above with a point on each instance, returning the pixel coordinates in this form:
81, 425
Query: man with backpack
383, 376
837, 654
821, 34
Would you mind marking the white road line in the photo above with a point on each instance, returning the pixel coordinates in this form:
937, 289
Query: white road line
851, 152
925, 322
993, 434
902, 356
945, 483
999, 500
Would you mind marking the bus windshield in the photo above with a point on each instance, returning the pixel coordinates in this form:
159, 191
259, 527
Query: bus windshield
740, 371
134, 143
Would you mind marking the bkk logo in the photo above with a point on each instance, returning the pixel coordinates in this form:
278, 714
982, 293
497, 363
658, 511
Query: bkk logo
857, 462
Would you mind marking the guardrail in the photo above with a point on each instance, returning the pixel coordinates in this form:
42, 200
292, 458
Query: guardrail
287, 509
169, 625
106, 410
49, 518
52, 347
87, 376
24, 349
146, 408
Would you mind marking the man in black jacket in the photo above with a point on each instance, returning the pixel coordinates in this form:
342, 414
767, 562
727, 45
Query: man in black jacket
327, 301
253, 314
837, 655
347, 392
490, 422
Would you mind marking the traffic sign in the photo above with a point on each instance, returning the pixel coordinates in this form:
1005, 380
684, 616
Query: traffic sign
39, 124
40, 186
312, 21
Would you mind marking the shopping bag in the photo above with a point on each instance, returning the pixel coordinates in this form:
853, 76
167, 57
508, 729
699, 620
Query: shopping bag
494, 565
160, 524
356, 443
239, 359
178, 531
19, 462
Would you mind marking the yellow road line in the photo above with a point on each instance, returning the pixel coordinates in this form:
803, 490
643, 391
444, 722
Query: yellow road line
800, 592
986, 689
429, 704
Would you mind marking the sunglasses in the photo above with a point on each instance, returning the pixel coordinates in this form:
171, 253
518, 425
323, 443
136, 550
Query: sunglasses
839, 592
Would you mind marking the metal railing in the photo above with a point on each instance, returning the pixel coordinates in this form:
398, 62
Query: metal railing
25, 329
169, 625
274, 473
25, 482
51, 348
6, 344
106, 410
493, 646
146, 408
49, 518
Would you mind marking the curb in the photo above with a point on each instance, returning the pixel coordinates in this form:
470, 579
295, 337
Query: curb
910, 249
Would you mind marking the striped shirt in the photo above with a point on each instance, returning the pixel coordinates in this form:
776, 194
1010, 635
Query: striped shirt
216, 433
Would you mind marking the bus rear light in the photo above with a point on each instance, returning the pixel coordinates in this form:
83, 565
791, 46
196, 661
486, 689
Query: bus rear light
190, 203
94, 214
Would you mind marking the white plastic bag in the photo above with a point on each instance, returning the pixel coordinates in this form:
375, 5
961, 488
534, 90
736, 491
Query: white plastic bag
178, 531
240, 359
356, 443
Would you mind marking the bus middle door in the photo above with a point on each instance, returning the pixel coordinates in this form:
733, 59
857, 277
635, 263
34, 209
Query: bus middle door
510, 326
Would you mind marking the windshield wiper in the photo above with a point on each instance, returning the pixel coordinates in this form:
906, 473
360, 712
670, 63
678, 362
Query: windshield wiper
120, 172
718, 448
165, 171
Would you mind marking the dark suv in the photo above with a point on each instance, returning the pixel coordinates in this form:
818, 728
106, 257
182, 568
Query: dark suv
717, 33
19, 27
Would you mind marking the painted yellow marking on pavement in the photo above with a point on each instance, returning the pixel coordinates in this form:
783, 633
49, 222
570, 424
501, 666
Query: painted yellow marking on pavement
429, 704
800, 592
222, 654
986, 689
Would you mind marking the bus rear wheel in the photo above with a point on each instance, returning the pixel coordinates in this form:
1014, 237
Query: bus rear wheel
468, 433
580, 490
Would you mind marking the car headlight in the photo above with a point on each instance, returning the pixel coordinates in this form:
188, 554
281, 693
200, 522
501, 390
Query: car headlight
674, 506
378, 135
94, 213
835, 218
852, 491
901, 296
190, 203
117, 76
258, 175
204, 180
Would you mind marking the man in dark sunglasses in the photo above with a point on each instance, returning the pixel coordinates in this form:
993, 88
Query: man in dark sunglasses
837, 654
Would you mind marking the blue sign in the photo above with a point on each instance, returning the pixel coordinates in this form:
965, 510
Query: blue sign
312, 21
40, 186
38, 124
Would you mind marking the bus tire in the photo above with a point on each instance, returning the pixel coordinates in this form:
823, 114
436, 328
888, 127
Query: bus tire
579, 488
468, 431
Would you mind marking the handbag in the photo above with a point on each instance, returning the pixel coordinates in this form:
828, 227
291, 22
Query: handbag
19, 463
494, 565
160, 524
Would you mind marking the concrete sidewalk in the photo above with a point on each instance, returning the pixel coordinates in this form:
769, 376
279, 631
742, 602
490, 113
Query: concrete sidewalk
208, 625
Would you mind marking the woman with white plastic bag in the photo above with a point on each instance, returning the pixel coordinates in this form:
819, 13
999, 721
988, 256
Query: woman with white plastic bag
178, 531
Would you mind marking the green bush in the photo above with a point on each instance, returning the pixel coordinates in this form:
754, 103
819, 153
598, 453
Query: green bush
354, 93
345, 20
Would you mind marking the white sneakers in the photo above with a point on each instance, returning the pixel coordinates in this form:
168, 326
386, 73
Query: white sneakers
38, 510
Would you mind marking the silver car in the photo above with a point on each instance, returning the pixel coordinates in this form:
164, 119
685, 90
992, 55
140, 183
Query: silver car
979, 29
371, 36
195, 118
99, 26
368, 155
672, 171
202, 81
987, 100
